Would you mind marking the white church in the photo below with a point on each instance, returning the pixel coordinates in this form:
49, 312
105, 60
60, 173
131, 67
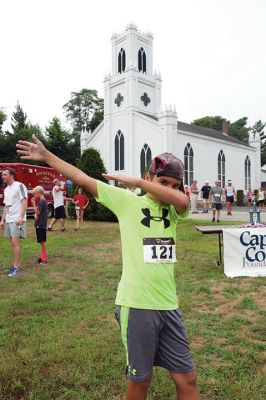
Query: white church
136, 129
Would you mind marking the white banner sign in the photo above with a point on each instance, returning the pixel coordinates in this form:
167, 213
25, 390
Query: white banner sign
244, 252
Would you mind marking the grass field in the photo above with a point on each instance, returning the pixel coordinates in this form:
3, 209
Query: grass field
59, 338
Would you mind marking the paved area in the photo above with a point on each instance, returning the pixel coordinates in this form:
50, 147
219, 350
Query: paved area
240, 214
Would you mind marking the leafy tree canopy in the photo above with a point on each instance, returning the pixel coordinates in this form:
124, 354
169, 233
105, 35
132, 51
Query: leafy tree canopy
210, 122
84, 110
92, 164
237, 129
59, 141
19, 119
2, 118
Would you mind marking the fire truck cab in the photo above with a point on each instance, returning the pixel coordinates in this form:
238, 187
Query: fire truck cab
32, 176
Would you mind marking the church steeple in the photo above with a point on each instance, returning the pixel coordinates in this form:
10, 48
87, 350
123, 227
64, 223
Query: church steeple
132, 83
133, 49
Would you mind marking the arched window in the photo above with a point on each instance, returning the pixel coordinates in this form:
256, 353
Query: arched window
119, 151
247, 173
142, 60
188, 164
221, 168
145, 158
121, 61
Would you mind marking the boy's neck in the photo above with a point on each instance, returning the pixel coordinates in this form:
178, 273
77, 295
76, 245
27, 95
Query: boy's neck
150, 196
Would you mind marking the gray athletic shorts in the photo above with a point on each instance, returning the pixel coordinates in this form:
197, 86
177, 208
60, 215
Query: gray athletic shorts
12, 230
153, 338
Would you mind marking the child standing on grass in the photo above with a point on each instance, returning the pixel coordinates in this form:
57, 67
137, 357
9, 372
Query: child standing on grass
41, 215
81, 201
151, 325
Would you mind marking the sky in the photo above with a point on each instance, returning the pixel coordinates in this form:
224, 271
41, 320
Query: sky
210, 53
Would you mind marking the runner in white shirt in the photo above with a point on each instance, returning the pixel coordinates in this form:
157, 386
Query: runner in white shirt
13, 219
230, 193
59, 209
261, 198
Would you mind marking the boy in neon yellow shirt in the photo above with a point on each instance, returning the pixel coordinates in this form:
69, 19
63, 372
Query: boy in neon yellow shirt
146, 305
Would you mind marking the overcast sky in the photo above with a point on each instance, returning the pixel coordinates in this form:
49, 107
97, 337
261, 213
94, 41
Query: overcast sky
211, 53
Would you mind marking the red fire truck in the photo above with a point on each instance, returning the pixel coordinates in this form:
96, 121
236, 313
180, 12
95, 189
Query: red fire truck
31, 176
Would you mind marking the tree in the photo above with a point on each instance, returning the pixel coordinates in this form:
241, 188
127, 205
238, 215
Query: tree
84, 110
92, 164
258, 127
21, 129
11, 139
59, 141
19, 119
239, 130
210, 122
2, 119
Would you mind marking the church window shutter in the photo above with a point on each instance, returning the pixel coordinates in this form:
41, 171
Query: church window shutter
188, 164
121, 61
221, 167
119, 151
145, 158
247, 173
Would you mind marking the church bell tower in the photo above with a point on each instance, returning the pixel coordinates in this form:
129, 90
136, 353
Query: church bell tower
132, 84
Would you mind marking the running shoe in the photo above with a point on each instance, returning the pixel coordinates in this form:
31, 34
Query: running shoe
11, 269
15, 271
38, 260
43, 262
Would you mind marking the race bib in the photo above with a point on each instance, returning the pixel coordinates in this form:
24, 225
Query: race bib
159, 250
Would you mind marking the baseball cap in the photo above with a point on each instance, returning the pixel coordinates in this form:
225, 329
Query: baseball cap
166, 164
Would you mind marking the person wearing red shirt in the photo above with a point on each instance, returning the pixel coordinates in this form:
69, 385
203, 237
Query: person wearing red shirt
81, 202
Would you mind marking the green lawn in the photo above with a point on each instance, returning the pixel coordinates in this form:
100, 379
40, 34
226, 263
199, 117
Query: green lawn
59, 338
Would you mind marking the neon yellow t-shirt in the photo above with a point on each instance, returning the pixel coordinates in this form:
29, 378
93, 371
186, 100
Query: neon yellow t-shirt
148, 237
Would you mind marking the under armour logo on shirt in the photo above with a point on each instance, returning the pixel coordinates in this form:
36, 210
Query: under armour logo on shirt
148, 217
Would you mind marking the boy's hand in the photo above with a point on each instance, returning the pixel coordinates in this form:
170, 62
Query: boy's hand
128, 181
31, 151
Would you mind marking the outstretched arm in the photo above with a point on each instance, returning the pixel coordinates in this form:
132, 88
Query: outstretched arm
36, 151
168, 195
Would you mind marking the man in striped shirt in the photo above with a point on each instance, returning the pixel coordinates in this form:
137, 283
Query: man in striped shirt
13, 219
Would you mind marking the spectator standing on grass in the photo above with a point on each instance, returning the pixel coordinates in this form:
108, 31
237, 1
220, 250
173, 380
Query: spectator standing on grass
13, 219
205, 192
59, 209
194, 192
261, 198
81, 201
41, 215
230, 193
147, 310
216, 198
